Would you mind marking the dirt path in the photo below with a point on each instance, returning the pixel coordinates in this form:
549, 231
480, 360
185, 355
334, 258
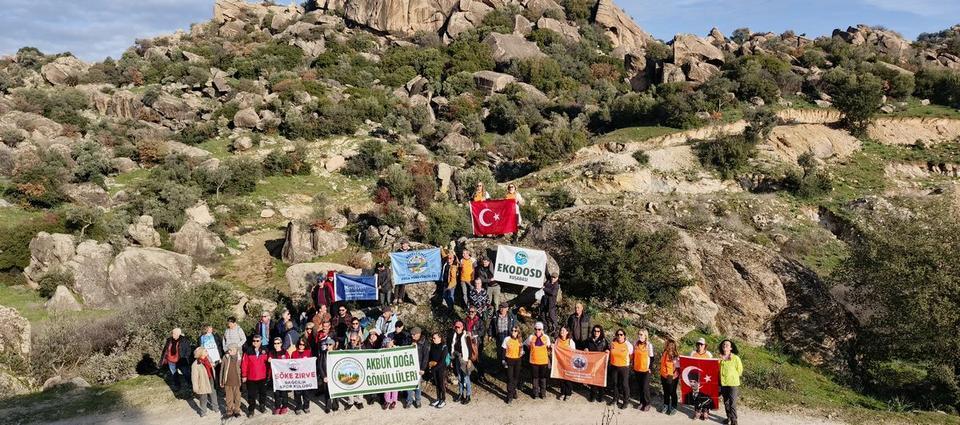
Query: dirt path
485, 410
254, 265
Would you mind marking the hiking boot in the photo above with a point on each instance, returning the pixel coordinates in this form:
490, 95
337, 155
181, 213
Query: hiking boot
441, 404
434, 403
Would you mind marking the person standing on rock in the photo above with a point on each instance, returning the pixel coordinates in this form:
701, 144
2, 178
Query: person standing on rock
597, 343
230, 380
448, 279
731, 368
538, 345
669, 376
176, 356
280, 398
564, 339
385, 282
438, 359
485, 273
401, 290
301, 402
322, 292
700, 351
579, 325
513, 194
642, 359
480, 194
620, 352
234, 334
548, 303
254, 371
202, 373
466, 275
512, 346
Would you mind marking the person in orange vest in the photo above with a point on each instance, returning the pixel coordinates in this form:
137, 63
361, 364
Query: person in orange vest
620, 352
480, 194
701, 351
564, 339
512, 352
642, 359
539, 346
513, 194
466, 275
669, 376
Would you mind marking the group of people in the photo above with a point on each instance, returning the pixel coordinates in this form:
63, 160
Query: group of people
244, 359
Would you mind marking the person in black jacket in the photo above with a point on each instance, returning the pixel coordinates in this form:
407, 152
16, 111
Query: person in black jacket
423, 355
324, 346
176, 355
437, 368
548, 303
501, 324
579, 325
597, 343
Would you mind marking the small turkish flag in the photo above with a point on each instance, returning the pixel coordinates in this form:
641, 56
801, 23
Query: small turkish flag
495, 217
706, 373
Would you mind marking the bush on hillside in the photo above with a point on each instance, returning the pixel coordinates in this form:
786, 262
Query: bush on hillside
446, 222
37, 179
372, 156
941, 86
274, 56
726, 154
15, 237
62, 105
52, 279
558, 142
93, 163
558, 199
857, 96
280, 162
620, 262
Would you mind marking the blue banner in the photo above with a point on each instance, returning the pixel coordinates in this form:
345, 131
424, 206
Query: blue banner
415, 266
354, 288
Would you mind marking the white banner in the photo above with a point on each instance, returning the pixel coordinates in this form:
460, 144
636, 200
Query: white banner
294, 374
520, 266
213, 353
359, 372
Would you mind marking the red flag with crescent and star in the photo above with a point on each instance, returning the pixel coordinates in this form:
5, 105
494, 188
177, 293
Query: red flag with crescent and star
494, 217
704, 371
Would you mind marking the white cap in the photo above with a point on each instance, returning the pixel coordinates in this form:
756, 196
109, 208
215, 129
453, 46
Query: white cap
539, 325
702, 341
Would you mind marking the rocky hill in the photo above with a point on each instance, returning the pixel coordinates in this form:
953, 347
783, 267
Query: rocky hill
273, 143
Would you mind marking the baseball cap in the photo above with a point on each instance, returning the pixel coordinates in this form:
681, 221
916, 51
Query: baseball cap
539, 326
702, 341
504, 305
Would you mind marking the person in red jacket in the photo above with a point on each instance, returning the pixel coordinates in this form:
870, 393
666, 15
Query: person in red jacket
253, 370
301, 402
322, 293
279, 397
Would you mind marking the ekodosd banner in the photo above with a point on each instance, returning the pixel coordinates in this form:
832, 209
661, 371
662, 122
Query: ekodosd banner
360, 372
520, 266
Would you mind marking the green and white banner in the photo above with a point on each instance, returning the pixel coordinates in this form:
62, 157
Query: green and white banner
359, 372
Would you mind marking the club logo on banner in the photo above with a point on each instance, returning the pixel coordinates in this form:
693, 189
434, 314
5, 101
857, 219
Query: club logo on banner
584, 367
415, 266
702, 372
354, 288
520, 266
360, 372
494, 217
294, 374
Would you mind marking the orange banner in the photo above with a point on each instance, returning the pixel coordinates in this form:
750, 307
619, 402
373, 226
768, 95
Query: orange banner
584, 367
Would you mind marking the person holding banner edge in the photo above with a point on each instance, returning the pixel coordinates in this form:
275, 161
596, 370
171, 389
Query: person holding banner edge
280, 398
597, 343
620, 352
563, 338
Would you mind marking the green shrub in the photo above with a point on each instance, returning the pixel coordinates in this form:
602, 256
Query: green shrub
558, 142
466, 181
810, 182
767, 378
727, 154
93, 163
543, 73
632, 109
244, 175
579, 10
279, 162
38, 181
398, 181
165, 195
445, 222
274, 56
558, 199
941, 86
642, 158
619, 262
459, 83
15, 239
372, 156
857, 96
196, 133
61, 105
51, 279
468, 54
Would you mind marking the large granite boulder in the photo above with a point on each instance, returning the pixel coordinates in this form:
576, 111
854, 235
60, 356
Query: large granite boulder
508, 47
492, 82
625, 34
401, 17
200, 213
195, 240
246, 118
689, 48
47, 252
143, 233
136, 272
62, 301
301, 277
303, 242
14, 332
65, 70
91, 279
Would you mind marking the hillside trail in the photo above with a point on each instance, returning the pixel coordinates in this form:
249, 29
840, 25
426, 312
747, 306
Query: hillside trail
484, 409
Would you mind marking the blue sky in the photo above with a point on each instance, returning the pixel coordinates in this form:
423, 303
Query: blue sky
94, 29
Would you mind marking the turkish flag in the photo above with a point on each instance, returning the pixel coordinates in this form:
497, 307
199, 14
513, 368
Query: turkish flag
704, 371
495, 217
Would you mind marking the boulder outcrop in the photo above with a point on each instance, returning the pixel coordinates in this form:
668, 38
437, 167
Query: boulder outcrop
303, 242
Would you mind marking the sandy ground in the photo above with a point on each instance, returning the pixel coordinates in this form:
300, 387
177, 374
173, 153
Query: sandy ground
486, 408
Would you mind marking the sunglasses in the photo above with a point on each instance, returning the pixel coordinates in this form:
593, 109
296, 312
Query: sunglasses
596, 331
620, 334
